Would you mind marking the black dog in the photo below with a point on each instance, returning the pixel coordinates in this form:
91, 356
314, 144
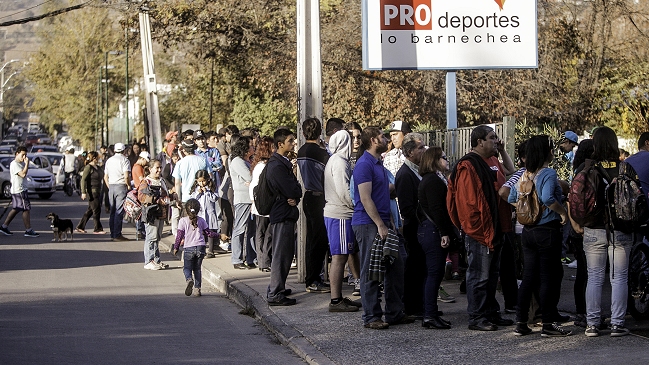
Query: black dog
60, 227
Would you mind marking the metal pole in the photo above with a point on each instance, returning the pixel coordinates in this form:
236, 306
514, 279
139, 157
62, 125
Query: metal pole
128, 132
106, 59
97, 112
101, 119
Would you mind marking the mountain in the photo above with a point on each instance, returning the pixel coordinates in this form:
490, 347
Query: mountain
19, 41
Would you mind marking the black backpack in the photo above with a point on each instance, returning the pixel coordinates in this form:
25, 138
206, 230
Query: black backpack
627, 204
263, 195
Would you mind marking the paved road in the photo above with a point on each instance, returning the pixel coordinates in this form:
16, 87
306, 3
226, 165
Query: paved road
90, 302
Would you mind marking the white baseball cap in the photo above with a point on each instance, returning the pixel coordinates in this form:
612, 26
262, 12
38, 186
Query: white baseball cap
145, 155
119, 147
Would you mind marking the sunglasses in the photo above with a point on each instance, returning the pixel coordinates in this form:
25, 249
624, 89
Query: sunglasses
444, 158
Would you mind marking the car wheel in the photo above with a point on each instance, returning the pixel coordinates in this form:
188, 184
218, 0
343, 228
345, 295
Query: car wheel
45, 196
6, 190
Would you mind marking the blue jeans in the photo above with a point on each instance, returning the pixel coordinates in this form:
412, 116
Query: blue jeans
542, 258
153, 234
116, 196
598, 249
193, 257
393, 281
482, 280
431, 243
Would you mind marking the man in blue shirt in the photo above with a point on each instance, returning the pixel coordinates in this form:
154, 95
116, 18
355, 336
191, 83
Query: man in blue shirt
372, 216
640, 162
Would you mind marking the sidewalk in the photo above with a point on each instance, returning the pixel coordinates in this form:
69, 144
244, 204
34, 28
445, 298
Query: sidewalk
320, 337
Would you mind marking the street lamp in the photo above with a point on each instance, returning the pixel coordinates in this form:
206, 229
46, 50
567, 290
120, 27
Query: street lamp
99, 116
3, 83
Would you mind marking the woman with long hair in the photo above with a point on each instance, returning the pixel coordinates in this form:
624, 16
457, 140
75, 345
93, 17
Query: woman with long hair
243, 228
92, 181
152, 193
541, 241
435, 230
601, 244
265, 149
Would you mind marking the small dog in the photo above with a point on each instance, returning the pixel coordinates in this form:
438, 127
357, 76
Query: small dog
61, 227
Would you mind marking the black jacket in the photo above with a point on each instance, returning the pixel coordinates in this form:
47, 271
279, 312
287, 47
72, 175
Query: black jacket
282, 180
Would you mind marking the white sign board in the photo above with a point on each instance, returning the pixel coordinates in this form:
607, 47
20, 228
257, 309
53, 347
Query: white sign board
449, 35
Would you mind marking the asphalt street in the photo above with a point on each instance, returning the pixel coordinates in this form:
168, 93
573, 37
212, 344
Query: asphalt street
89, 301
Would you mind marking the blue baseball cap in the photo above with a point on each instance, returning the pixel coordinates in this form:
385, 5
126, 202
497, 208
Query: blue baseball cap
571, 136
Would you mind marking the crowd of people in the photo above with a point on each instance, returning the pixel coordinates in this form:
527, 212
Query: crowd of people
386, 211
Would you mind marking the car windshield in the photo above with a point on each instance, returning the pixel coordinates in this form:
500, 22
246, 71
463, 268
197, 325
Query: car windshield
54, 160
44, 149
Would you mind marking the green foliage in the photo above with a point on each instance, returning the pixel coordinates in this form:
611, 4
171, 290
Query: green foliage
525, 131
262, 113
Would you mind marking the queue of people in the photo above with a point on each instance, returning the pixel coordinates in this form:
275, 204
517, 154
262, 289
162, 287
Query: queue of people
393, 214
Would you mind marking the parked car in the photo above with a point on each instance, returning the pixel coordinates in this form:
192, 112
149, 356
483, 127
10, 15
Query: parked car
9, 142
56, 161
31, 139
43, 138
42, 148
7, 150
38, 181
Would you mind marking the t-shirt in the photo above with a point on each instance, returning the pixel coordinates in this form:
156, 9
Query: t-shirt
640, 163
138, 175
193, 235
369, 169
115, 168
185, 170
312, 159
16, 181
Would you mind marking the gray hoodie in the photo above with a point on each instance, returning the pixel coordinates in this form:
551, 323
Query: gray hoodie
337, 173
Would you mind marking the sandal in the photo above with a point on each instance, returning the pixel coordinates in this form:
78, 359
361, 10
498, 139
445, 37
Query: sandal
79, 230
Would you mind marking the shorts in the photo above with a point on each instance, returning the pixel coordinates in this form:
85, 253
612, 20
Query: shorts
341, 236
20, 201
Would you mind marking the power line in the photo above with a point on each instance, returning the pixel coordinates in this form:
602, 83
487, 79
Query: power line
46, 15
24, 10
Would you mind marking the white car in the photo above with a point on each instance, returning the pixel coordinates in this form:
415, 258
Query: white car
56, 161
38, 181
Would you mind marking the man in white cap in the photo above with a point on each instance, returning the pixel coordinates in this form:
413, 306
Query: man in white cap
568, 144
117, 175
395, 158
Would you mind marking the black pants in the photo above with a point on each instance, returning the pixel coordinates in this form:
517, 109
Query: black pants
94, 211
263, 241
542, 268
317, 244
415, 272
508, 271
581, 279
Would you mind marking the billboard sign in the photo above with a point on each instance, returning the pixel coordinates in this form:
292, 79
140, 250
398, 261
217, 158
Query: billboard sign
449, 35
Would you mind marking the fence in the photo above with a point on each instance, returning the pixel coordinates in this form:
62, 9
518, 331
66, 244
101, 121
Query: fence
457, 142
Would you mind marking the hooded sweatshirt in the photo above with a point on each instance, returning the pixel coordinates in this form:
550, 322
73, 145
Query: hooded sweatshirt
337, 173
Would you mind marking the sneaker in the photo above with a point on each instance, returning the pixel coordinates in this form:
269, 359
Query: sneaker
377, 325
573, 265
225, 246
357, 288
31, 233
455, 276
317, 287
121, 238
443, 296
189, 288
619, 331
355, 303
554, 330
591, 331
161, 265
196, 292
580, 320
283, 302
342, 306
566, 260
6, 231
151, 266
522, 329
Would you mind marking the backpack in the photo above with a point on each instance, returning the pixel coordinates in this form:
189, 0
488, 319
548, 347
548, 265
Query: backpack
627, 203
263, 195
584, 207
528, 206
132, 206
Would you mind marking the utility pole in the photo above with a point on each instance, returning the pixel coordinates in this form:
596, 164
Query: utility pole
128, 132
309, 81
150, 85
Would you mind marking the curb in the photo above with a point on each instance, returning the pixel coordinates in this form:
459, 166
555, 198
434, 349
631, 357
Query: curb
249, 299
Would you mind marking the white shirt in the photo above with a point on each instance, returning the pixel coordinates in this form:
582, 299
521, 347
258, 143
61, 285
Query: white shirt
255, 181
70, 162
16, 181
115, 168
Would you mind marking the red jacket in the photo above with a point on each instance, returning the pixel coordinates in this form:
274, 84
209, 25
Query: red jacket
468, 206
